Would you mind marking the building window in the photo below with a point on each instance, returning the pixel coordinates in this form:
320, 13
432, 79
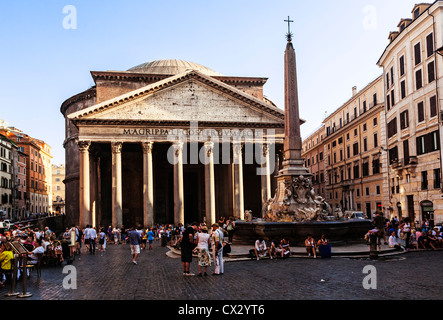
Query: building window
433, 106
417, 53
418, 79
355, 149
430, 45
377, 189
356, 171
403, 89
374, 122
404, 119
392, 98
364, 127
367, 191
402, 66
365, 169
421, 112
365, 144
392, 128
431, 72
375, 140
375, 166
416, 13
437, 179
424, 180
428, 143
393, 155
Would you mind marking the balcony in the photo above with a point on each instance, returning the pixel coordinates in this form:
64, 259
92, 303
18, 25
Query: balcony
347, 183
397, 164
405, 165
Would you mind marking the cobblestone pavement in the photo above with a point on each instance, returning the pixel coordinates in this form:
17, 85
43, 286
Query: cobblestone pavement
159, 277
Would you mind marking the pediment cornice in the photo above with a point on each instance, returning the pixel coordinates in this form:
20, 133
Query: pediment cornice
158, 86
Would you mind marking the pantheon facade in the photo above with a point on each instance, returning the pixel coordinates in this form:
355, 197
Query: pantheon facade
170, 141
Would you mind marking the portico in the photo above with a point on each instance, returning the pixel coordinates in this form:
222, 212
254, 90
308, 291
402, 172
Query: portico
191, 148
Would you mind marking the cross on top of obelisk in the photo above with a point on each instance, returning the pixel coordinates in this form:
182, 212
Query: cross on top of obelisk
289, 34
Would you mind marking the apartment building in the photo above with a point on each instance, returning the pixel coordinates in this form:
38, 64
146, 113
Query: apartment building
352, 148
412, 76
313, 154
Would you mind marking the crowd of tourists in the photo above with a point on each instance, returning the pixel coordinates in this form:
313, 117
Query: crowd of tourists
403, 235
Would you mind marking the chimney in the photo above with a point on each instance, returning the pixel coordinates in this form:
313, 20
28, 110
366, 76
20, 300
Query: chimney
354, 91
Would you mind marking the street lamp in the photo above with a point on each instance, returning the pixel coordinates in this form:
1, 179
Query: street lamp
440, 51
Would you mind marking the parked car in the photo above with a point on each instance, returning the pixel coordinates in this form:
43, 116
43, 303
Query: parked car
5, 224
355, 215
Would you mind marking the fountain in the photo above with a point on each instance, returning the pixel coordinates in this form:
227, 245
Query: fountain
296, 211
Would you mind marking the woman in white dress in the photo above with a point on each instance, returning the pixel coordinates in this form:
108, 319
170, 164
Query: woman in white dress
203, 242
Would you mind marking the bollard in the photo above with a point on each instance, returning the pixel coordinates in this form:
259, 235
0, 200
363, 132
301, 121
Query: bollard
373, 240
13, 293
25, 294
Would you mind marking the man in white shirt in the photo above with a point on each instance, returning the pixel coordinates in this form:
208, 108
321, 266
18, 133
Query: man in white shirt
260, 248
393, 241
217, 249
34, 253
86, 237
92, 240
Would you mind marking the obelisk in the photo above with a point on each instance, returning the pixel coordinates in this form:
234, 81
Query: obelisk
293, 164
294, 195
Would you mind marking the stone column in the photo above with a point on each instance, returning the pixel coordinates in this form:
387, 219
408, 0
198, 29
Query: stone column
93, 185
117, 208
179, 208
99, 192
209, 183
265, 178
84, 192
351, 201
148, 185
239, 207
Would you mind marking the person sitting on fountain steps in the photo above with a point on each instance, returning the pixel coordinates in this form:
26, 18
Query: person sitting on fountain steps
260, 249
310, 246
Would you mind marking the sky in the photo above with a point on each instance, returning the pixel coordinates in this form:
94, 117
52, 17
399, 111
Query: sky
49, 47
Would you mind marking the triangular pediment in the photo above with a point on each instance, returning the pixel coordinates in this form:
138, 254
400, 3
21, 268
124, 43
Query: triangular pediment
191, 96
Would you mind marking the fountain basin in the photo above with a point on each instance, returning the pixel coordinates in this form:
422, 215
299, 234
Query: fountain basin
340, 232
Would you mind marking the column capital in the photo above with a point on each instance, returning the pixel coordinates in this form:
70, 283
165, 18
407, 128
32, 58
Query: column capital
116, 147
237, 148
83, 145
209, 147
178, 148
147, 146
